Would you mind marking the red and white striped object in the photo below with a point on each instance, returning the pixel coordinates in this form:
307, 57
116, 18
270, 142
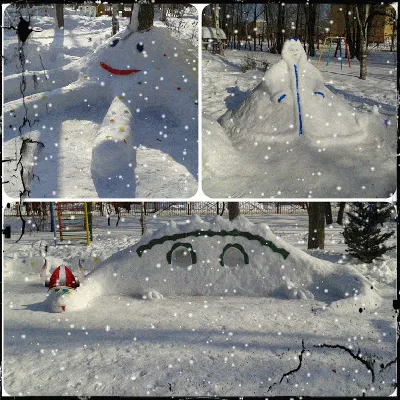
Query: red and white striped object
62, 276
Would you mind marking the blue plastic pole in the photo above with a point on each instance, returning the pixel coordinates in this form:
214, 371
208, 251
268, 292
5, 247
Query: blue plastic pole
340, 52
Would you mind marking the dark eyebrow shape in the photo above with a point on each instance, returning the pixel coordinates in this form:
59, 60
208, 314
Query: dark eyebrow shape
114, 42
284, 253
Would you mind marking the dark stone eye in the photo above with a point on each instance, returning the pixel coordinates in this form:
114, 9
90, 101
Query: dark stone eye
140, 47
114, 42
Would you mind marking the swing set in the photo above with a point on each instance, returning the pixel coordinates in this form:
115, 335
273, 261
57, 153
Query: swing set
339, 45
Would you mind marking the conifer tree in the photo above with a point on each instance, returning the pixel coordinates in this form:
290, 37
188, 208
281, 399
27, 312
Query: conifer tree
362, 234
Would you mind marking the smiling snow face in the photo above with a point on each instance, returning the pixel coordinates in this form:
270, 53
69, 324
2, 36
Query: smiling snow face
136, 59
149, 69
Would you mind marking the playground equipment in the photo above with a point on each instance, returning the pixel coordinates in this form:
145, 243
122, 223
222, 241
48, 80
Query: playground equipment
339, 45
74, 223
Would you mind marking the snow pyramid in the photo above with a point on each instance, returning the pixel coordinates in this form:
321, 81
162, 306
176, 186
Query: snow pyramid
223, 258
292, 99
292, 129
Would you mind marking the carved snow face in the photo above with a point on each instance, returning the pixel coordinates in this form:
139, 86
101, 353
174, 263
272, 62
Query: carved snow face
140, 55
123, 53
292, 50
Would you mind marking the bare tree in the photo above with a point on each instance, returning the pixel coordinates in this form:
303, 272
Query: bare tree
114, 20
60, 15
328, 213
316, 225
233, 210
365, 13
143, 217
280, 28
362, 11
342, 206
145, 16
310, 12
163, 15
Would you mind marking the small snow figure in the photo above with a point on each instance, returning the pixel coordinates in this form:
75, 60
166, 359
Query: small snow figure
62, 276
62, 282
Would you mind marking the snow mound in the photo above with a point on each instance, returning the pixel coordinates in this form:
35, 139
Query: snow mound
225, 258
146, 83
294, 129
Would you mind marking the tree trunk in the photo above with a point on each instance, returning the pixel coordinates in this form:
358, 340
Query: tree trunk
316, 225
296, 31
233, 210
362, 12
163, 16
363, 55
349, 33
217, 28
342, 206
146, 16
60, 15
143, 217
255, 26
328, 213
266, 17
312, 15
114, 19
280, 28
143, 15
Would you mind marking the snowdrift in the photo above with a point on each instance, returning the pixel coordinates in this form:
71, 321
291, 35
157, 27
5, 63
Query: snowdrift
223, 258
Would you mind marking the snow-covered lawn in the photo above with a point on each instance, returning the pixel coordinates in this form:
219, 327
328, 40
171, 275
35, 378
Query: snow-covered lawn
348, 151
102, 134
192, 345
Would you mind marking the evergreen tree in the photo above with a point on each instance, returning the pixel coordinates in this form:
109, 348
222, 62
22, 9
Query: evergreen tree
362, 235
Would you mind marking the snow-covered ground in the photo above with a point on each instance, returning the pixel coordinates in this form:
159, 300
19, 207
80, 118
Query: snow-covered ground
183, 345
335, 161
103, 134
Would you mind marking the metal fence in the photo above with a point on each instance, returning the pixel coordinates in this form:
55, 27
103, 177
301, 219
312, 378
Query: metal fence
42, 209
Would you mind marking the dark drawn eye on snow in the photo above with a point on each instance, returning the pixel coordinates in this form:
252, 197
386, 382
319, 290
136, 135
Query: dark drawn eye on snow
197, 305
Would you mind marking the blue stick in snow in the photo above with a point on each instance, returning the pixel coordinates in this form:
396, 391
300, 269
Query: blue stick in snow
340, 53
298, 100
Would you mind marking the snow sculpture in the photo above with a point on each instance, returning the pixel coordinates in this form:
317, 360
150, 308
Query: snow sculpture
61, 284
293, 99
221, 258
148, 74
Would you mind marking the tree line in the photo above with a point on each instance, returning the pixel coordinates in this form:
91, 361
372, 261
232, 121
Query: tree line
267, 26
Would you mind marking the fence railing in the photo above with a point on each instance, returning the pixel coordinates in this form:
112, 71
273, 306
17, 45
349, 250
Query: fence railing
42, 210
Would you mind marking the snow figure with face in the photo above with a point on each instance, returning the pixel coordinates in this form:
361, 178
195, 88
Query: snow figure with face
144, 81
220, 258
293, 99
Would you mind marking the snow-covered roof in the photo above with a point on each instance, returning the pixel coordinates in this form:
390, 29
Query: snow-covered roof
211, 33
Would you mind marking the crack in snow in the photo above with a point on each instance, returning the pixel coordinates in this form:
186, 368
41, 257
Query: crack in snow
383, 366
369, 364
293, 370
